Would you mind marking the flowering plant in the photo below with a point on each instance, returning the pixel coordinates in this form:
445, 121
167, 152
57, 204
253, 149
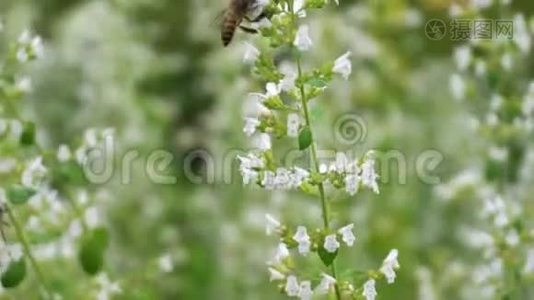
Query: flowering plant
46, 209
283, 111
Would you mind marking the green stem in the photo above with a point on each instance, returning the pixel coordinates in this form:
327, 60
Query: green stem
313, 153
27, 251
315, 166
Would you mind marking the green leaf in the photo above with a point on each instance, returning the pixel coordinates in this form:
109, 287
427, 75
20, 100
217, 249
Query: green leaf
69, 173
27, 138
317, 82
15, 273
305, 138
326, 256
18, 194
92, 250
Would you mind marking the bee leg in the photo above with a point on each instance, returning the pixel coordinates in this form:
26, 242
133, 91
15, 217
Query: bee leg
248, 30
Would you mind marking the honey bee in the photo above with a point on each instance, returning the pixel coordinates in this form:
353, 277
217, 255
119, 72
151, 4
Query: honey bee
250, 10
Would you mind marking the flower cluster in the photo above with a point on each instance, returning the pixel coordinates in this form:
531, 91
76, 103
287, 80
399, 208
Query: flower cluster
282, 111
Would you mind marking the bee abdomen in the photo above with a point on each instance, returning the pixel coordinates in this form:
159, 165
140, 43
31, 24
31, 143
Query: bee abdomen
231, 21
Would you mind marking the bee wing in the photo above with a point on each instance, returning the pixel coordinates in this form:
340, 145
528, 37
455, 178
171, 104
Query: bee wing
218, 20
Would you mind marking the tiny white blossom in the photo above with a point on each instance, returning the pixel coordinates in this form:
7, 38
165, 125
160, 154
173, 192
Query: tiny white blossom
463, 57
271, 224
369, 290
91, 217
303, 41
293, 123
165, 263
275, 275
352, 184
290, 76
292, 286
107, 288
250, 126
34, 171
262, 141
346, 234
268, 180
24, 84
281, 253
253, 106
272, 89
343, 66
330, 243
327, 282
369, 176
389, 265
251, 53
37, 47
457, 87
303, 239
529, 264
305, 290
63, 153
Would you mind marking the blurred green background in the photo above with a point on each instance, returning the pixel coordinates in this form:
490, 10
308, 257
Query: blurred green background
155, 71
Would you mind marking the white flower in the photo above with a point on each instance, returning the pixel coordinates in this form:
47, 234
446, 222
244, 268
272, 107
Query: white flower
463, 57
297, 177
25, 37
521, 35
292, 286
24, 84
529, 264
389, 265
293, 121
165, 263
330, 243
91, 217
325, 285
305, 290
290, 76
271, 224
15, 129
107, 288
507, 61
303, 239
282, 178
262, 141
303, 41
352, 184
346, 234
343, 66
63, 153
281, 253
34, 171
249, 166
251, 53
272, 89
457, 87
369, 291
253, 106
275, 275
512, 238
369, 176
250, 126
268, 181
37, 47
